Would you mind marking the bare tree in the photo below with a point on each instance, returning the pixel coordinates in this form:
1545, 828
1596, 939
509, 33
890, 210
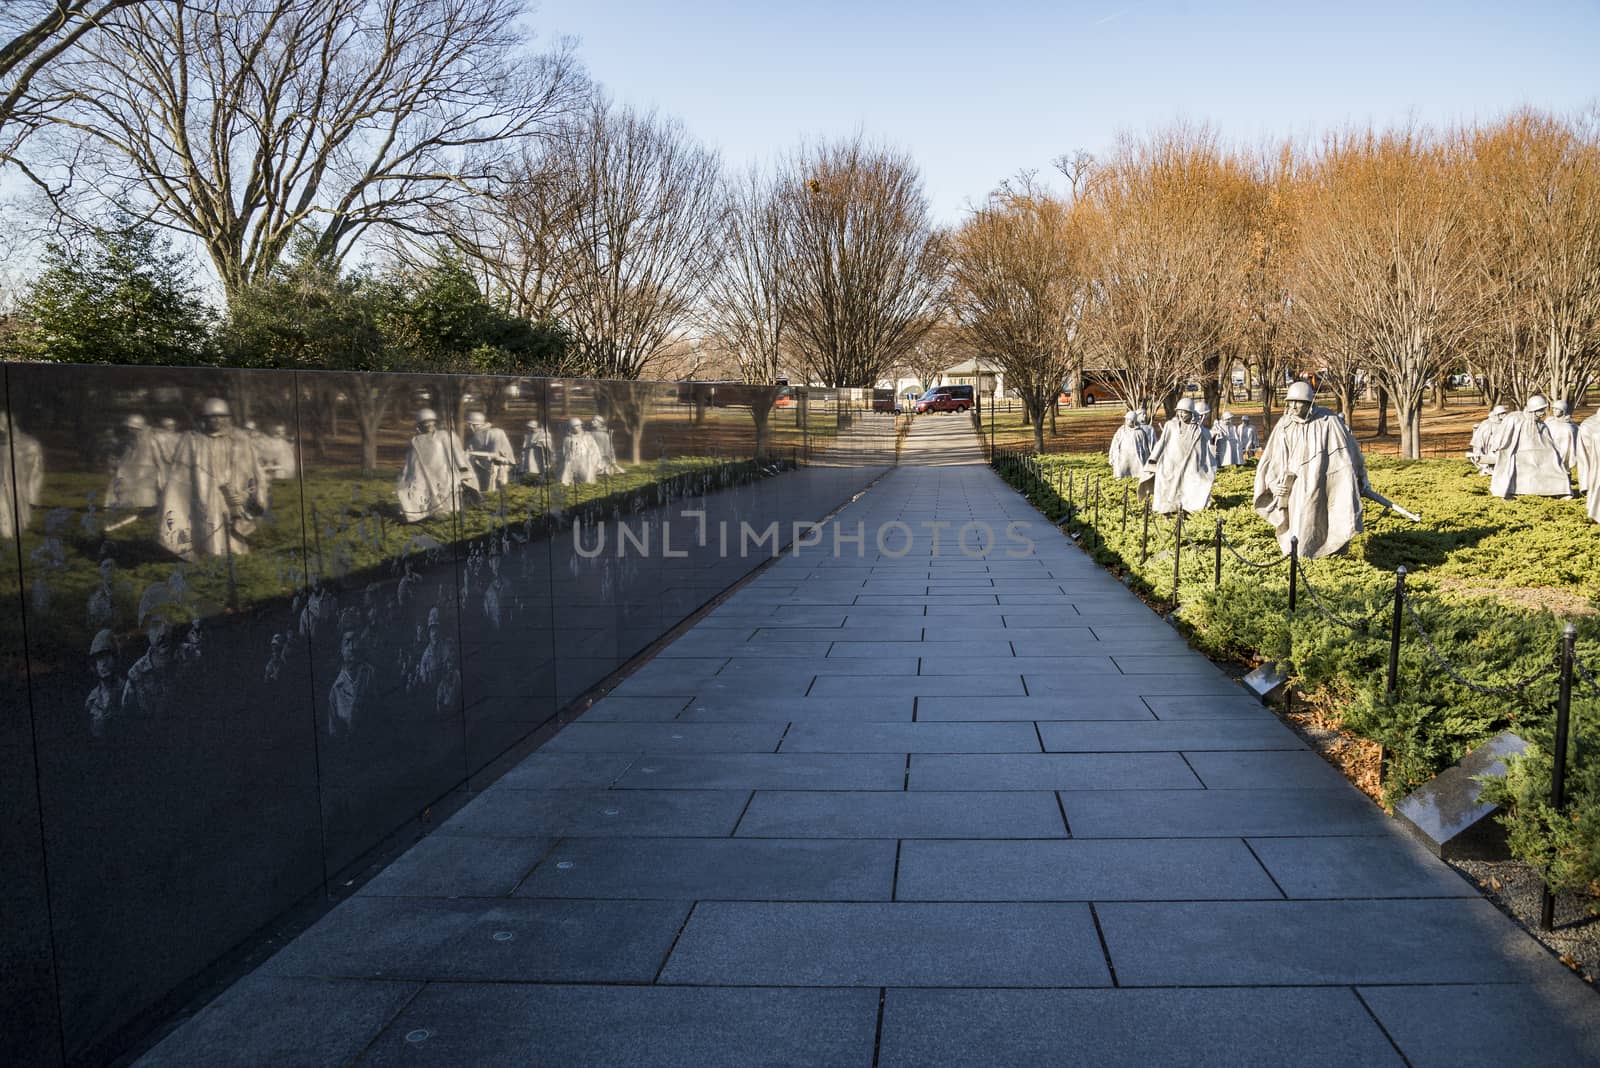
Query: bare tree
939, 348
863, 283
1019, 291
646, 230
1169, 232
1536, 185
746, 315
1386, 264
243, 122
33, 35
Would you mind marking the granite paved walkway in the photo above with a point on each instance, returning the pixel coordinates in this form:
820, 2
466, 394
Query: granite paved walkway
906, 807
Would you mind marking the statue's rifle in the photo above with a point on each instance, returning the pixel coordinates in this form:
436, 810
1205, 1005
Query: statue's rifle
1377, 498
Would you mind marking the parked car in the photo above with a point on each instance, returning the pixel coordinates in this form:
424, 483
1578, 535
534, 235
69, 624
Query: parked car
945, 399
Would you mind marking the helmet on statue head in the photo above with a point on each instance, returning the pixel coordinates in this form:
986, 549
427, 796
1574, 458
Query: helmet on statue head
1301, 391
1535, 405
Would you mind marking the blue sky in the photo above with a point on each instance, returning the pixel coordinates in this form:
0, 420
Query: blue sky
977, 92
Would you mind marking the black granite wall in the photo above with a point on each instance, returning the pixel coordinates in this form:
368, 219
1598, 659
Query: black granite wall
239, 650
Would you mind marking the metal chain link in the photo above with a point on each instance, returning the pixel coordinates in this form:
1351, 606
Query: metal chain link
1584, 671
1316, 599
1228, 545
1449, 669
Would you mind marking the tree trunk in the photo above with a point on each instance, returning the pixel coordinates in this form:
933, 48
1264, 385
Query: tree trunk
761, 411
1383, 412
1409, 412
1438, 392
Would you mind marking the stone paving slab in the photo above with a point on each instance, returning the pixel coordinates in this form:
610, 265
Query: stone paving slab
268, 1020
1225, 943
500, 939
1219, 813
1169, 736
583, 737
1117, 772
1262, 1027
1069, 684
902, 814
767, 771
911, 738
712, 869
973, 647
557, 771
1174, 869
1387, 865
782, 669
767, 944
634, 710
505, 813
920, 686
673, 1027
799, 710
1552, 1024
443, 865
1037, 709
1266, 770
1204, 706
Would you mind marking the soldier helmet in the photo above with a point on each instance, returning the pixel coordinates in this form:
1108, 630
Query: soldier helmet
280, 430
1535, 404
1140, 414
597, 421
1130, 419
1226, 414
134, 422
427, 415
249, 424
169, 423
531, 424
1301, 391
1186, 404
102, 644
214, 406
1202, 407
574, 423
1560, 407
433, 617
1498, 409
476, 419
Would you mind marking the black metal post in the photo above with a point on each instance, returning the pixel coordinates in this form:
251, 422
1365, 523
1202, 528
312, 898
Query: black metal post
1393, 683
1558, 771
1216, 568
1144, 535
1177, 557
1294, 569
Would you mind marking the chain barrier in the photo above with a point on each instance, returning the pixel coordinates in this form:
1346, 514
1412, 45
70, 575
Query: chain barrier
1316, 599
1583, 670
1228, 545
1477, 688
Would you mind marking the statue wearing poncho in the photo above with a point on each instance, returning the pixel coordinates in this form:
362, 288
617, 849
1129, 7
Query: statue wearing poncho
1178, 474
21, 454
1311, 479
1527, 461
213, 491
1589, 464
435, 472
1129, 448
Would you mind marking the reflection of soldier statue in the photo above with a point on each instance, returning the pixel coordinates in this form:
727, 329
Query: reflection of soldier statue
604, 446
436, 471
580, 459
214, 490
535, 450
136, 481
1480, 451
437, 666
496, 594
25, 462
1129, 448
277, 658
490, 452
350, 687
1589, 464
1312, 478
102, 601
1526, 460
1564, 432
277, 453
150, 679
166, 438
103, 701
1179, 471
